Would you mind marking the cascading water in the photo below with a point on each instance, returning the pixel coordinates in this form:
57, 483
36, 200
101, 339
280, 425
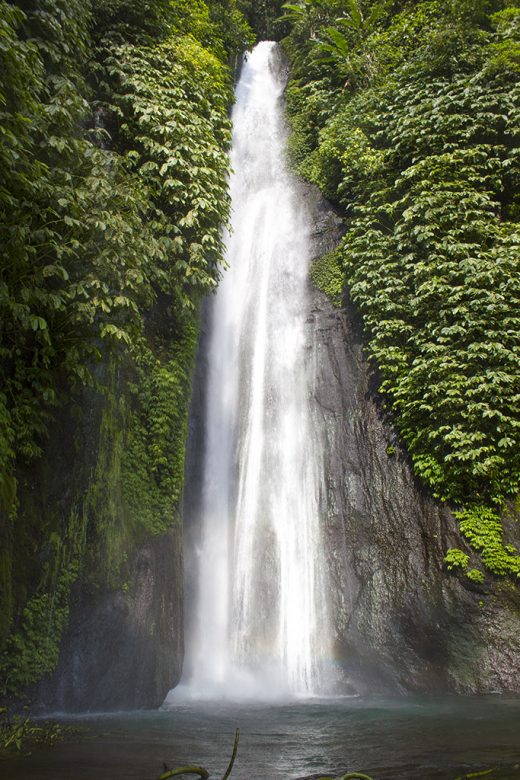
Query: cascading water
260, 622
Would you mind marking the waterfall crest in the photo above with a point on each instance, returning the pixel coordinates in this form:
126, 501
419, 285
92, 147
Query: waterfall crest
260, 625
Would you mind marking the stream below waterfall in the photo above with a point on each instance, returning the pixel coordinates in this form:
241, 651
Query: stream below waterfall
390, 739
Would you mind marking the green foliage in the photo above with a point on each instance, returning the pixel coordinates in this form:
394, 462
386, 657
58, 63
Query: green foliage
483, 529
475, 575
91, 235
504, 51
170, 102
231, 25
33, 646
139, 472
153, 463
327, 275
18, 733
33, 651
456, 559
262, 16
311, 105
138, 476
113, 147
420, 150
75, 242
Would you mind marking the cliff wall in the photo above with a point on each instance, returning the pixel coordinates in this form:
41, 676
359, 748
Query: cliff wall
402, 621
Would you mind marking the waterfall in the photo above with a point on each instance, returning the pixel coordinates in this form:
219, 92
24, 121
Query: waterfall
260, 624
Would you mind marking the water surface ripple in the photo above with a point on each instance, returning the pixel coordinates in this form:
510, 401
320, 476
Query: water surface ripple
397, 739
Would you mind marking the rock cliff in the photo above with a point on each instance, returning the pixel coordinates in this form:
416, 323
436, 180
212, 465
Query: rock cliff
122, 646
402, 622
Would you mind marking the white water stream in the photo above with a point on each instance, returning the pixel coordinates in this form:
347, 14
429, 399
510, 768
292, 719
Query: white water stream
260, 626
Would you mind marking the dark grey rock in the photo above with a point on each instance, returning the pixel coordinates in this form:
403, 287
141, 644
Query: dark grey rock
123, 646
401, 621
123, 650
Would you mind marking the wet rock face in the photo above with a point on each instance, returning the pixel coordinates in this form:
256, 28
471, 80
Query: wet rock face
401, 621
123, 646
123, 649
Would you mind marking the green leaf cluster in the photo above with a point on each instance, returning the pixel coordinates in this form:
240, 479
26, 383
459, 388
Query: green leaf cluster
114, 133
327, 275
179, 154
420, 149
33, 649
482, 527
18, 732
114, 168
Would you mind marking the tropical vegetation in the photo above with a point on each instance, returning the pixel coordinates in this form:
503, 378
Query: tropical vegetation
114, 131
406, 114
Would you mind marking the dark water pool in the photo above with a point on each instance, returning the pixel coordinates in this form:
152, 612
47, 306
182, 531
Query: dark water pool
388, 739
